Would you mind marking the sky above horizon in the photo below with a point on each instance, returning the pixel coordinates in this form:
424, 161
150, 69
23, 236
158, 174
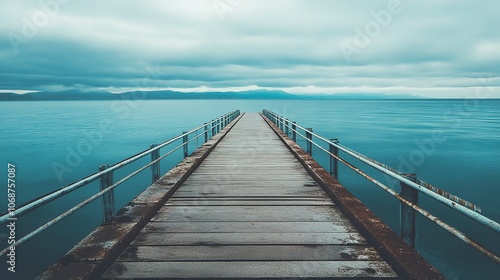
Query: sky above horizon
442, 49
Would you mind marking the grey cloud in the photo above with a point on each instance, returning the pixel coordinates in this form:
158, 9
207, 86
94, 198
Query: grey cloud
275, 43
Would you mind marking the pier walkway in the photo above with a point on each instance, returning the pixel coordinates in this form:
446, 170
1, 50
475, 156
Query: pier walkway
250, 210
248, 203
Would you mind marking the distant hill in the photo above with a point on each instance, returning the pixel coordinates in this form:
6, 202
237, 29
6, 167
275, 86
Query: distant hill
366, 96
167, 94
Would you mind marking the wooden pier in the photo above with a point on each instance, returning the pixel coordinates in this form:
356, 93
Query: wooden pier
252, 209
249, 211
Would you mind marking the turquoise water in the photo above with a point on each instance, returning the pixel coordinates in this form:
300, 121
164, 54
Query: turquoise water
464, 160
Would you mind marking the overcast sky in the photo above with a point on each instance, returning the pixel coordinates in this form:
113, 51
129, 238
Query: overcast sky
429, 48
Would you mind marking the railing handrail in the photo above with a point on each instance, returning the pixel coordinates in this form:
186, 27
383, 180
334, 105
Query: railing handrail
470, 210
42, 200
465, 207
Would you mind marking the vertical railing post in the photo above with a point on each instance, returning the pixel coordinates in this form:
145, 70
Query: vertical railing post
408, 219
185, 144
334, 163
108, 199
155, 167
221, 124
309, 142
213, 127
282, 122
205, 131
286, 127
294, 131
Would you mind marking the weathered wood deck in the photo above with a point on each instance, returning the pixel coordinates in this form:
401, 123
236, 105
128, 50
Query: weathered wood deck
250, 210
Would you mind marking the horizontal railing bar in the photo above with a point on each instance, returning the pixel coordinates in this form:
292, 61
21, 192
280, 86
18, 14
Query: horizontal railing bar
36, 203
188, 132
441, 192
74, 209
46, 199
97, 195
169, 152
422, 211
446, 201
79, 206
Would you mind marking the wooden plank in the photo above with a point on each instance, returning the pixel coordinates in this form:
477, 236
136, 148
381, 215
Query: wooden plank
244, 184
207, 191
256, 188
263, 227
210, 202
244, 170
292, 197
238, 238
274, 269
229, 179
257, 165
255, 158
254, 198
262, 165
272, 210
249, 203
249, 253
250, 213
249, 149
196, 195
251, 178
253, 152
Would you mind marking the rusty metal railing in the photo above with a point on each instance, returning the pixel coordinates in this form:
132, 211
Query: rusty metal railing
411, 186
105, 175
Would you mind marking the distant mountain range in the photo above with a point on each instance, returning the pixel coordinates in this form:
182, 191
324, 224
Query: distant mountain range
167, 94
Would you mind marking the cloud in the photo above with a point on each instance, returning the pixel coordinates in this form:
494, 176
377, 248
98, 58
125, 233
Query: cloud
442, 49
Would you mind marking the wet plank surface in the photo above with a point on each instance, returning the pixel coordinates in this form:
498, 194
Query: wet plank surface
249, 211
251, 270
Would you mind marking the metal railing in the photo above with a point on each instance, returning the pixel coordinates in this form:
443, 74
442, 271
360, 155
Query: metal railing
411, 186
106, 172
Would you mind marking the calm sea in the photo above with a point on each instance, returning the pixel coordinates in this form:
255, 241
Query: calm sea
465, 160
